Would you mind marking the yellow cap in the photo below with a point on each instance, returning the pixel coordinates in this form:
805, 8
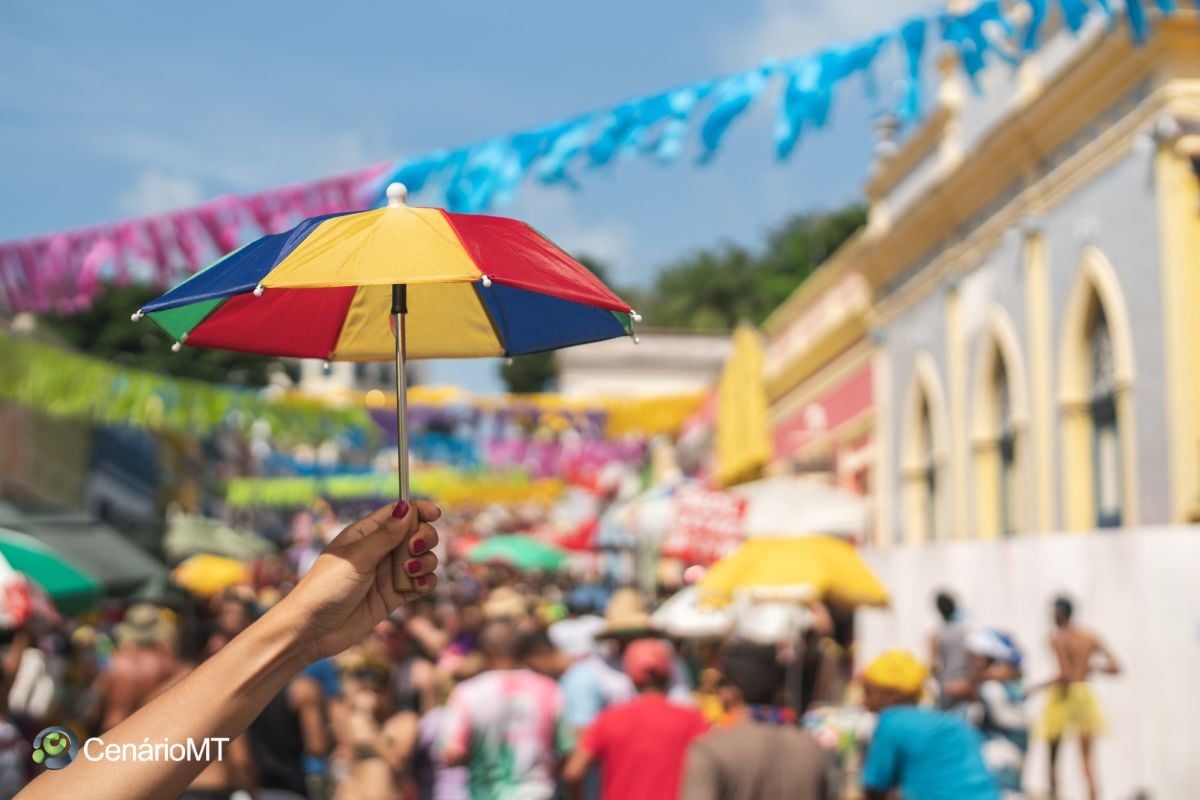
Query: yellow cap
898, 670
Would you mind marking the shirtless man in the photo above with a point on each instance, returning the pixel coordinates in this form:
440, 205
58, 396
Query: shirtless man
1072, 706
143, 663
375, 740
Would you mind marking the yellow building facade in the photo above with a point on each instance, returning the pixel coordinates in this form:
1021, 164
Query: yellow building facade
1025, 300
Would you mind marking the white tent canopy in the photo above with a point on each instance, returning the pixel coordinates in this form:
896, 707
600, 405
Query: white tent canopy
683, 617
787, 505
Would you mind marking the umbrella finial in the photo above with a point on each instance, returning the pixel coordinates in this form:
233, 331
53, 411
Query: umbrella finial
135, 316
397, 195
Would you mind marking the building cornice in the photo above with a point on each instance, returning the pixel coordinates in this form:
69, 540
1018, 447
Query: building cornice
1026, 163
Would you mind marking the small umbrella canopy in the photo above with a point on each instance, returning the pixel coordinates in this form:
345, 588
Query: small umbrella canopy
523, 552
477, 286
206, 574
111, 560
72, 590
800, 569
782, 505
22, 600
396, 282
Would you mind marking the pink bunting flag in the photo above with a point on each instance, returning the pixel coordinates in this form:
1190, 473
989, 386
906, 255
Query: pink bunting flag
63, 272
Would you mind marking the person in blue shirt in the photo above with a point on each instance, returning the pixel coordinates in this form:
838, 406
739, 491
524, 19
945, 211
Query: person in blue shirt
927, 754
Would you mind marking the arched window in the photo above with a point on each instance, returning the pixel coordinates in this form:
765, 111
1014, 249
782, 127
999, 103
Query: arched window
1008, 485
1096, 401
924, 456
998, 424
1102, 408
928, 473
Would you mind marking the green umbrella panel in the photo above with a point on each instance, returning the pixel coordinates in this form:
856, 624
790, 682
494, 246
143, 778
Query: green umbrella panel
72, 590
523, 552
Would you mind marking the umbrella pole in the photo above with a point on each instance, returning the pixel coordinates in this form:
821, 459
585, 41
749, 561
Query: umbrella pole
399, 311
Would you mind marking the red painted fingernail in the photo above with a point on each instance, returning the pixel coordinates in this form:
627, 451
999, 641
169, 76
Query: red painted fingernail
401, 510
420, 580
413, 567
418, 545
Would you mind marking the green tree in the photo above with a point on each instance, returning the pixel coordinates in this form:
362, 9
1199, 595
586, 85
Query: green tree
715, 287
529, 374
105, 331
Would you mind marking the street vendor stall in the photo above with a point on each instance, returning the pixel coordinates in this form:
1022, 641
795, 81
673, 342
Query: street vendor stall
774, 572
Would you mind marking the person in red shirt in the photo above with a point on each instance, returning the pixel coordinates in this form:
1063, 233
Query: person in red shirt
640, 745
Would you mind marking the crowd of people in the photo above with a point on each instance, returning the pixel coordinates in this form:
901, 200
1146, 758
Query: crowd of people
511, 685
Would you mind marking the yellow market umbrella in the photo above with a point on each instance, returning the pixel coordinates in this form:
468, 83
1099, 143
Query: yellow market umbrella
798, 568
743, 441
206, 574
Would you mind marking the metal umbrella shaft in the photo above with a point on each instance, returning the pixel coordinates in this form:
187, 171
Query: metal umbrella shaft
399, 311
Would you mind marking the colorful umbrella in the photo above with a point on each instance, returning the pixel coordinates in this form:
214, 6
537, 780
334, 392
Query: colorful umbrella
206, 574
22, 600
801, 569
70, 588
400, 282
522, 552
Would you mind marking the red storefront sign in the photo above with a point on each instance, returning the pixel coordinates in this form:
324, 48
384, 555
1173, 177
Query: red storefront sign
706, 524
845, 401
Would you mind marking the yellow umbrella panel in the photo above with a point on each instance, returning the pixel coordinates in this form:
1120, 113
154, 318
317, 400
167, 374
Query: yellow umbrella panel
799, 569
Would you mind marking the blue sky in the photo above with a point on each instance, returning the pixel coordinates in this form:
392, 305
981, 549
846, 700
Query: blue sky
112, 109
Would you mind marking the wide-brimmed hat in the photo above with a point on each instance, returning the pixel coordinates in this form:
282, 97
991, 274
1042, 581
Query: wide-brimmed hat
504, 602
363, 660
144, 624
626, 616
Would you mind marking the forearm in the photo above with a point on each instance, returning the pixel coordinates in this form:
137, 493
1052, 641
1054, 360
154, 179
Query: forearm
216, 701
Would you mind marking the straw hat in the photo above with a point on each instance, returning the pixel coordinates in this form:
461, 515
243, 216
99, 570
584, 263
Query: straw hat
362, 660
144, 624
504, 602
626, 615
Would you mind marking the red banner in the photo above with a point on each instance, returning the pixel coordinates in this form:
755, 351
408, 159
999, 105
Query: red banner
705, 525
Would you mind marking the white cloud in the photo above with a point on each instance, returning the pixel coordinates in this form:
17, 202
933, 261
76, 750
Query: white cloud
261, 163
784, 28
155, 191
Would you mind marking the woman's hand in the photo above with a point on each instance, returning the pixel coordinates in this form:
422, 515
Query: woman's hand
371, 568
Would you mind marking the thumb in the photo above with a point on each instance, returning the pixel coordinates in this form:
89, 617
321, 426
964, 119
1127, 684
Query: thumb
389, 532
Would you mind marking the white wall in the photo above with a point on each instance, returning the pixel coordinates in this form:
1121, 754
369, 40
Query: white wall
1138, 588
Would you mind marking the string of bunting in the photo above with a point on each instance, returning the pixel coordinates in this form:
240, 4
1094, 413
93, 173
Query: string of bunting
61, 384
449, 487
63, 271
